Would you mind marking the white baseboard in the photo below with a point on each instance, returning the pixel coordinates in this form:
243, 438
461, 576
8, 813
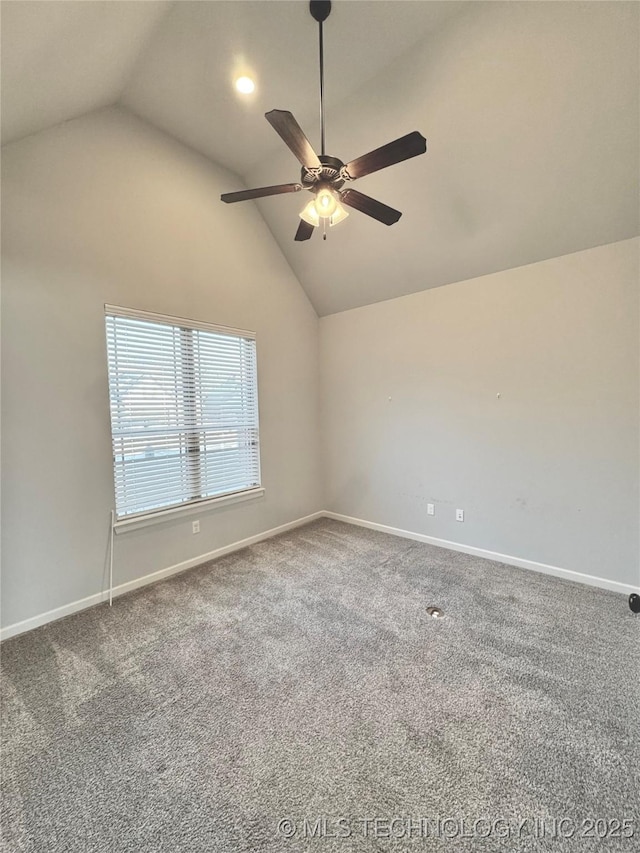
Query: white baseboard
521, 563
154, 577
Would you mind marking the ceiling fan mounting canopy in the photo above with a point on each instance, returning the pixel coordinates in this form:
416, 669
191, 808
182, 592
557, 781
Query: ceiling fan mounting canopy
321, 173
320, 9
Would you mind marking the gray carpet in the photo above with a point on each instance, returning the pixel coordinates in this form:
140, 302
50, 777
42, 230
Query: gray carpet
301, 679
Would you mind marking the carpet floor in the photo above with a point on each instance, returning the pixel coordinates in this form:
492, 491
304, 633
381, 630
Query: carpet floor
296, 696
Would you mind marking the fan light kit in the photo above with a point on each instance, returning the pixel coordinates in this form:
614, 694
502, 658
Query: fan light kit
326, 176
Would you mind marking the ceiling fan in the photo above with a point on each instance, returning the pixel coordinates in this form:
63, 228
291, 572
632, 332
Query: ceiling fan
326, 176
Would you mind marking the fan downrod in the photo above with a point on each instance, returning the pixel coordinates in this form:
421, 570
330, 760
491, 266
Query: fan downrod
320, 10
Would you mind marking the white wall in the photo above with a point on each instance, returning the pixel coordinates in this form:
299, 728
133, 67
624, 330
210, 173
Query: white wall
548, 471
105, 209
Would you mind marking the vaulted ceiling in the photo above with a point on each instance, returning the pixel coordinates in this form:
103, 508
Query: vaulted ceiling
530, 110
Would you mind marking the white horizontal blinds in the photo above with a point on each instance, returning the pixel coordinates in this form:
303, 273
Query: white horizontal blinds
184, 411
226, 409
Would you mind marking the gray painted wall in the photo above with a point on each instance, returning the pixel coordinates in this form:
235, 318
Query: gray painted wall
105, 209
546, 472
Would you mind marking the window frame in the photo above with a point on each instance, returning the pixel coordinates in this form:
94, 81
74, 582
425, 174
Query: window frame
143, 518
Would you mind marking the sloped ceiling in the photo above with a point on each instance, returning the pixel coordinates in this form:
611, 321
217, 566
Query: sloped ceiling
63, 59
530, 110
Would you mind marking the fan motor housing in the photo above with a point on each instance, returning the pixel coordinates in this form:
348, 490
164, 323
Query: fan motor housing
328, 174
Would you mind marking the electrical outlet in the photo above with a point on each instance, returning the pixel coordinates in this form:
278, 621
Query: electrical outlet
195, 527
431, 509
459, 515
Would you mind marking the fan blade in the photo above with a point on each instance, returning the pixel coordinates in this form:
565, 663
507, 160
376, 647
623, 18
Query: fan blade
305, 230
283, 122
243, 195
393, 152
366, 204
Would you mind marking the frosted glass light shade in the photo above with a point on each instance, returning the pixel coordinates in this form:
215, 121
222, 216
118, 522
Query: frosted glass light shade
326, 202
339, 215
310, 214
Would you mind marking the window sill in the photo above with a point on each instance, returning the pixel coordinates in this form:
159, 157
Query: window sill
174, 513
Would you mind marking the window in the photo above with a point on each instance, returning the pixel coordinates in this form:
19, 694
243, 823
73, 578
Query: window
184, 411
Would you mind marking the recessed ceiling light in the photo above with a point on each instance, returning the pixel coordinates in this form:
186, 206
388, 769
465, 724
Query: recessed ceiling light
245, 85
